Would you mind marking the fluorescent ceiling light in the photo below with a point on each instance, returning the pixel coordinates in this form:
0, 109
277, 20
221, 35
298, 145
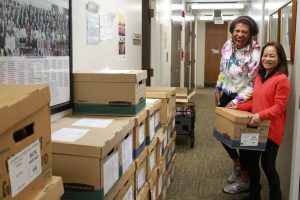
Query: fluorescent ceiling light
211, 18
204, 6
176, 7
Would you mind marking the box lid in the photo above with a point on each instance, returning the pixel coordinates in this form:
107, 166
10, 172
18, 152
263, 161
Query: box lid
110, 76
54, 189
17, 102
93, 136
171, 90
238, 116
158, 95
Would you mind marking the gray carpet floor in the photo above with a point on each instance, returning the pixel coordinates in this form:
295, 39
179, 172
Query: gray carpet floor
201, 172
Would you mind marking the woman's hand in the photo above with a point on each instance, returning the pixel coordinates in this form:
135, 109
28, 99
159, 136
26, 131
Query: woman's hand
231, 105
255, 120
217, 98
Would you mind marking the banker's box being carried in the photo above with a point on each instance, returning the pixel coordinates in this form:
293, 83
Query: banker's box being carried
25, 144
87, 154
109, 92
232, 129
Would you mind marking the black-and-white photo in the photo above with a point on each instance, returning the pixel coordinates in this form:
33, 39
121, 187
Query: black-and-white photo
33, 28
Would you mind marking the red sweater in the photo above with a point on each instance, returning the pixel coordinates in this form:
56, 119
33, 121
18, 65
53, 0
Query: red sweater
269, 100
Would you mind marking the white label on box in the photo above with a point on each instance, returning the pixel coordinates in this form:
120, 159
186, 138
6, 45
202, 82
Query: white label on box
69, 134
24, 167
165, 141
153, 193
141, 134
129, 194
127, 157
141, 178
160, 184
152, 160
152, 128
249, 139
92, 122
151, 100
111, 172
156, 119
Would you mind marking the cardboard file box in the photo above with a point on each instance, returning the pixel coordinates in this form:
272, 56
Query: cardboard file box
110, 92
231, 128
151, 158
157, 104
141, 172
92, 145
167, 95
144, 193
126, 184
25, 144
153, 185
139, 133
150, 123
52, 191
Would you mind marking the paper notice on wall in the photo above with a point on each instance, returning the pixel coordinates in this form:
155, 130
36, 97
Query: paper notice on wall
249, 139
93, 28
24, 167
127, 157
141, 134
69, 134
111, 172
93, 122
129, 194
141, 178
106, 25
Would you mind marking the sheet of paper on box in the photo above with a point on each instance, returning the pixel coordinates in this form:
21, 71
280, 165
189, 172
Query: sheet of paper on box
69, 134
249, 139
141, 134
24, 167
165, 142
129, 194
156, 119
151, 100
141, 177
111, 172
94, 123
127, 153
152, 160
152, 128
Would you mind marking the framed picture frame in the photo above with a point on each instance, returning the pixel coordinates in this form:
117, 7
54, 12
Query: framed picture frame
36, 47
282, 28
286, 29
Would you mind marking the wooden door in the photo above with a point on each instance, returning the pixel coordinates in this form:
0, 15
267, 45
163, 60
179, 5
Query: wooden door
215, 37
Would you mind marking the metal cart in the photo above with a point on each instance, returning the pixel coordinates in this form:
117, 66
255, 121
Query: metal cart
185, 120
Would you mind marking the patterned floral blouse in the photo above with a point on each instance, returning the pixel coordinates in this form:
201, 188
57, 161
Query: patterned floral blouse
238, 68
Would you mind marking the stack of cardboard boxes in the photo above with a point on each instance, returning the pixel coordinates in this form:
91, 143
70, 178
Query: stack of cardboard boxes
25, 144
113, 138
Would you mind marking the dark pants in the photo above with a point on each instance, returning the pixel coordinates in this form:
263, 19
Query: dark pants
268, 163
233, 153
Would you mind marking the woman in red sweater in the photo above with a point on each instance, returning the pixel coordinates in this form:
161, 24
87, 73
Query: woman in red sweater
269, 100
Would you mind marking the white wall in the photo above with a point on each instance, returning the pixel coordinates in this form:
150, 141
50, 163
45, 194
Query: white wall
105, 54
200, 56
161, 43
288, 157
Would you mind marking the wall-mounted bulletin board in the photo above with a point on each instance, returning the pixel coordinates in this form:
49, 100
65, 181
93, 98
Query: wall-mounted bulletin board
35, 46
282, 28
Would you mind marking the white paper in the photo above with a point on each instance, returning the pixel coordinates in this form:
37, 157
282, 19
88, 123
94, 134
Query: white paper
160, 184
106, 25
249, 139
129, 194
127, 157
69, 134
141, 177
169, 133
141, 134
152, 128
151, 100
24, 167
153, 193
93, 25
156, 118
165, 141
152, 160
92, 122
111, 172
115, 71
